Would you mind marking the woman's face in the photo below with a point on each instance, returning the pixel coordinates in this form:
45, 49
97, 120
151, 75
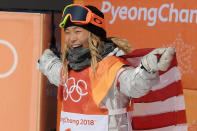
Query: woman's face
76, 36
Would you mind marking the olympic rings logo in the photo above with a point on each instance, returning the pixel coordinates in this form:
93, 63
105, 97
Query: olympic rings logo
72, 88
15, 58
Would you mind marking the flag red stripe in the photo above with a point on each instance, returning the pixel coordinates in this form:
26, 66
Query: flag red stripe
159, 120
138, 52
174, 89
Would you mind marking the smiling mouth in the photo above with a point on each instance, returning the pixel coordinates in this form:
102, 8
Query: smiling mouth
76, 46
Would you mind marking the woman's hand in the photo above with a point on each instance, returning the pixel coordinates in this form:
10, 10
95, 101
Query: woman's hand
158, 59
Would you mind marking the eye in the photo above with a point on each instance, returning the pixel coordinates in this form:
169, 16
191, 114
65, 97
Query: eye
67, 32
78, 31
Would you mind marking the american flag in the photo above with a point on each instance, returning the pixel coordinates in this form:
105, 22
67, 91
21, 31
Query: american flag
163, 108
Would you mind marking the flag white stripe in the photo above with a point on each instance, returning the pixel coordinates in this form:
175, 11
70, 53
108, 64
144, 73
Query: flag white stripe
171, 104
168, 78
180, 127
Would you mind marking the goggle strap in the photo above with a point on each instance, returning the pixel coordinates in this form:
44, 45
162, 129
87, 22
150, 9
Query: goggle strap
66, 8
64, 21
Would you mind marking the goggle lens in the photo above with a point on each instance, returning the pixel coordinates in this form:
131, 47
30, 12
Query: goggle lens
78, 13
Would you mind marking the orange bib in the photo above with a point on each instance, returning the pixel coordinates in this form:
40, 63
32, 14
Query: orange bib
82, 94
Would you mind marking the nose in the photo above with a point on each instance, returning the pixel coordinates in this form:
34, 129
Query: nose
73, 38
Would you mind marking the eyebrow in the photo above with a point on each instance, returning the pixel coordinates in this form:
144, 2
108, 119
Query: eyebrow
73, 28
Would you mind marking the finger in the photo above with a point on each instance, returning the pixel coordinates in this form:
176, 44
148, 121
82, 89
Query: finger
171, 50
168, 54
166, 59
47, 52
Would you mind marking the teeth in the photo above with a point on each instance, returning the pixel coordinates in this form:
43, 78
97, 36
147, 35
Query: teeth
74, 46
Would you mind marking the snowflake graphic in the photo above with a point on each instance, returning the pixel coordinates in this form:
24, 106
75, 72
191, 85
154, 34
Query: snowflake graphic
184, 54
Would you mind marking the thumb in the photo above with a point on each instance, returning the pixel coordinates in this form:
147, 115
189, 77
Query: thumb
166, 58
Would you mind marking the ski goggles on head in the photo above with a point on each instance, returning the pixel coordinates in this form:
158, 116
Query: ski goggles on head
80, 15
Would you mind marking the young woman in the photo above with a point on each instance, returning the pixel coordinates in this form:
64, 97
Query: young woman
96, 86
